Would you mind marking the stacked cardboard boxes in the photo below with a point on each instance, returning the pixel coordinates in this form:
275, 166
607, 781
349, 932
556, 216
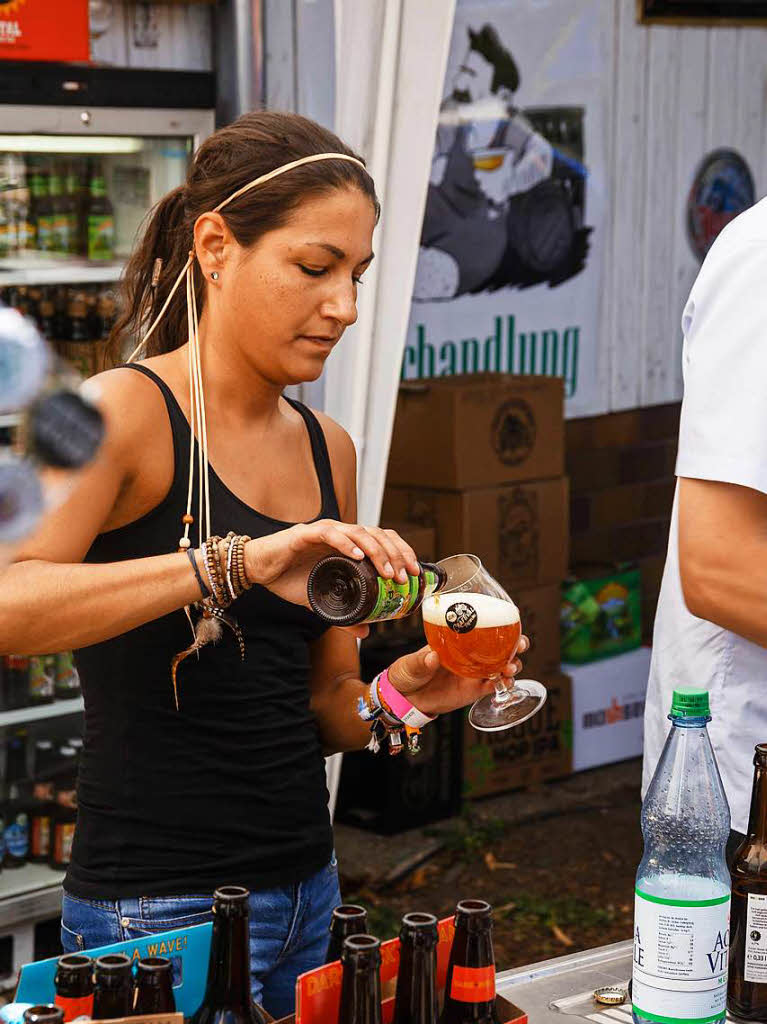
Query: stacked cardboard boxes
479, 459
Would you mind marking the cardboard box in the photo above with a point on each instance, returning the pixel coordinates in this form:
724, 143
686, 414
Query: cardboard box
608, 709
477, 430
536, 751
318, 992
422, 539
539, 610
44, 30
521, 532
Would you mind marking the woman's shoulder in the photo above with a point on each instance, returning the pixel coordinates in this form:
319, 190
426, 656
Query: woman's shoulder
132, 405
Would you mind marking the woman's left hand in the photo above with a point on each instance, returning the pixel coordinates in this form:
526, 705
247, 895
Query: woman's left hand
434, 690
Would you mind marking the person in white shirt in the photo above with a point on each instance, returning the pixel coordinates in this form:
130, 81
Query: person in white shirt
711, 624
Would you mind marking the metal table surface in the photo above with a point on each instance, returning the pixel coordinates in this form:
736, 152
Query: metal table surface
534, 987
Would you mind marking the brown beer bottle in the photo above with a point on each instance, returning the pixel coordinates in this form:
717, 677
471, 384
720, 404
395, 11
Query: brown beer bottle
227, 994
346, 920
361, 982
416, 1001
345, 592
74, 986
154, 986
44, 1014
113, 992
747, 986
470, 987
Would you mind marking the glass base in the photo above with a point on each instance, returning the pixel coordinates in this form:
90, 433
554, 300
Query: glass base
491, 715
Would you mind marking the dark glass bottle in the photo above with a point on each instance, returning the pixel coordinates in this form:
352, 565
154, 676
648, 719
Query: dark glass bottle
154, 986
17, 805
346, 920
41, 681
747, 985
361, 983
44, 1014
470, 986
113, 987
65, 809
74, 986
227, 997
16, 668
41, 814
101, 224
416, 1001
345, 592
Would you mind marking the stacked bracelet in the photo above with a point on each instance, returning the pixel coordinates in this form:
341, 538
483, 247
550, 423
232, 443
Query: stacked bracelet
389, 713
224, 564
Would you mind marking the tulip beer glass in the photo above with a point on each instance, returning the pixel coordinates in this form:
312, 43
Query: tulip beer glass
474, 627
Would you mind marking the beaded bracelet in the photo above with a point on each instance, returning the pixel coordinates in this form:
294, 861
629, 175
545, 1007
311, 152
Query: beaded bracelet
206, 591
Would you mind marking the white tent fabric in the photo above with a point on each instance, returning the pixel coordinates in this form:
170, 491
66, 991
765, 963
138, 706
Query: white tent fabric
390, 66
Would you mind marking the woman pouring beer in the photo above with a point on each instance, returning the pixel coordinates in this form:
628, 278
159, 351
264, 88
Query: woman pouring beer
178, 567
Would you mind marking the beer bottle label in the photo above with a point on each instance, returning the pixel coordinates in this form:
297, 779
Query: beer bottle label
17, 836
681, 953
41, 835
40, 683
44, 232
756, 939
473, 984
75, 1006
63, 835
101, 236
396, 600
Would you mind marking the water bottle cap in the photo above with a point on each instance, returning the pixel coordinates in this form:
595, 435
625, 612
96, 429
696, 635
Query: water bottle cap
690, 702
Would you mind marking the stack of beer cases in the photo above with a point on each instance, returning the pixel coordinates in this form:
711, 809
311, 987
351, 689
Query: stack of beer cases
479, 459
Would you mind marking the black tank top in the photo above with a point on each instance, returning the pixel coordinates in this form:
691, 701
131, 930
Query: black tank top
231, 788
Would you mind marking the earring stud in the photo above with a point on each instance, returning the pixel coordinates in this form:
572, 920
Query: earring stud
214, 275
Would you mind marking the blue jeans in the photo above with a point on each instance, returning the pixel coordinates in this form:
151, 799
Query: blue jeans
288, 929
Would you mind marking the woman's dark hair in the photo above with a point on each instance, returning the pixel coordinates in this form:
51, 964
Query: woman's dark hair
254, 144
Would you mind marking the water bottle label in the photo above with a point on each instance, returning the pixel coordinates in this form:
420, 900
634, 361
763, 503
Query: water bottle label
756, 939
17, 837
681, 950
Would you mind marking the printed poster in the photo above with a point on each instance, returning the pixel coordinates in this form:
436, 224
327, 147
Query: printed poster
511, 256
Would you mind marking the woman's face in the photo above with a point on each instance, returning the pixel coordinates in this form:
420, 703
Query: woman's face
286, 301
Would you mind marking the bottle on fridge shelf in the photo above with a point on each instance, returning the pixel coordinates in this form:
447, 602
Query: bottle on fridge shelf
101, 221
17, 804
61, 220
42, 206
227, 998
41, 814
71, 206
682, 905
65, 808
347, 919
747, 990
16, 671
67, 678
470, 985
62, 325
361, 981
41, 680
416, 998
45, 314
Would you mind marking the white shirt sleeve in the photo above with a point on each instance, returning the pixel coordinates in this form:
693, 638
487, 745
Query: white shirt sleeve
723, 430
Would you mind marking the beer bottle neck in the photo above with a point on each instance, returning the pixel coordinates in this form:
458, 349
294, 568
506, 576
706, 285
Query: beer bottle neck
470, 989
757, 818
417, 986
360, 994
229, 974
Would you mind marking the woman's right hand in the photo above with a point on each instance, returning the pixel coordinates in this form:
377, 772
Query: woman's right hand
282, 561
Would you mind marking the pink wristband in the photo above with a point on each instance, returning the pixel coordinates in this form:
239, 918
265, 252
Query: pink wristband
400, 705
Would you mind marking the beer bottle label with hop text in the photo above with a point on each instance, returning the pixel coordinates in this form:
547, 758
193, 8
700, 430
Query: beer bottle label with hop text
755, 967
101, 232
681, 955
473, 984
396, 600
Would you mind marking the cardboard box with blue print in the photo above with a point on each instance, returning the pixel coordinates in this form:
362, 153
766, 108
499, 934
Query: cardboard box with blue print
477, 430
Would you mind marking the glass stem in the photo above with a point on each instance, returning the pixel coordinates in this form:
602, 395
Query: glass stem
502, 695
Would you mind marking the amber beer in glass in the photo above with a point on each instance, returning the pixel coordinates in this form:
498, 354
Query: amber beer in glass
474, 635
747, 987
474, 627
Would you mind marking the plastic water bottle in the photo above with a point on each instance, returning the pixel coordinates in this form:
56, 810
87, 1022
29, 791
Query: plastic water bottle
682, 907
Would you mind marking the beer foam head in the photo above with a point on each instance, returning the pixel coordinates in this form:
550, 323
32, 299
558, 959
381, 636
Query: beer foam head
492, 612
